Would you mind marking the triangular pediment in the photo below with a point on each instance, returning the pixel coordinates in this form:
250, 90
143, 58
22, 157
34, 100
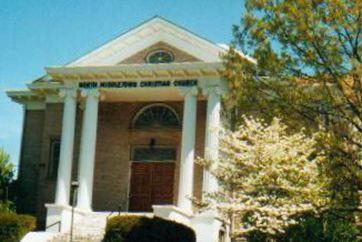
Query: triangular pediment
132, 46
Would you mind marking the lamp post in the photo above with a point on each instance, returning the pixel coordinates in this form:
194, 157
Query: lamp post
74, 185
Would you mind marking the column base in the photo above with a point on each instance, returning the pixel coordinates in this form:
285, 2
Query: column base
58, 218
174, 213
207, 226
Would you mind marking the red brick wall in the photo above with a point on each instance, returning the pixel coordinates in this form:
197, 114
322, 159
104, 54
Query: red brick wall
30, 164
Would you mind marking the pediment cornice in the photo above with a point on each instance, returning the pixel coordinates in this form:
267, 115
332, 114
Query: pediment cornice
147, 34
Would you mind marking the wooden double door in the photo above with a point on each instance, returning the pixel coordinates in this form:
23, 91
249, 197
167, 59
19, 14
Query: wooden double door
151, 184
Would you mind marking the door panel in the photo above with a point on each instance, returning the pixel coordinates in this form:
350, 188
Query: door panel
140, 187
151, 184
162, 183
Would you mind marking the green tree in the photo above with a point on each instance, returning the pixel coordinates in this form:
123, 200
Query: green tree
307, 70
267, 177
6, 177
6, 169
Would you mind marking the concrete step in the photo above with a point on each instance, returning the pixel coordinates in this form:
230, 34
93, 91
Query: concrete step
92, 226
60, 238
84, 238
39, 236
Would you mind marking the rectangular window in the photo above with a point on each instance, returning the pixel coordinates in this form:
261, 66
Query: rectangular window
154, 154
54, 153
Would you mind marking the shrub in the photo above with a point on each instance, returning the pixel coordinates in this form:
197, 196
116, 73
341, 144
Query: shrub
329, 227
14, 226
131, 228
7, 207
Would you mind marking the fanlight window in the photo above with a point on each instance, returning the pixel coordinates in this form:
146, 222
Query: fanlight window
156, 116
159, 56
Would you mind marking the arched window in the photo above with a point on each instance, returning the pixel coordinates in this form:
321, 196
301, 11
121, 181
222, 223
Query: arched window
156, 116
159, 56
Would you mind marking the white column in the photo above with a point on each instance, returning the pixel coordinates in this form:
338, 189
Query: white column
186, 181
87, 149
213, 93
66, 147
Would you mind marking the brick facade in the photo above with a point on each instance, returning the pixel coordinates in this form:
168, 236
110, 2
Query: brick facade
31, 161
115, 139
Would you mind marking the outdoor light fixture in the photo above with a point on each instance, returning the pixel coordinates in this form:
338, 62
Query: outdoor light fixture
74, 185
152, 143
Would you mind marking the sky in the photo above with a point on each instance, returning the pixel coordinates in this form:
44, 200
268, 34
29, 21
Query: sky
38, 33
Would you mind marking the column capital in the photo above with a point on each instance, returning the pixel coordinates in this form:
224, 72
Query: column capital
95, 93
212, 90
90, 92
68, 92
185, 91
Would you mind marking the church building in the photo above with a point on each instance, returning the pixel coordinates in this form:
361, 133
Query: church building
119, 129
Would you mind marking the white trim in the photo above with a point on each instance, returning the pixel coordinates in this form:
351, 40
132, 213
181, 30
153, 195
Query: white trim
30, 100
249, 58
147, 34
134, 71
20, 92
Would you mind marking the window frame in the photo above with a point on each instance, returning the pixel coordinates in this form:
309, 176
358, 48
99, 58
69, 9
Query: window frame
145, 108
151, 53
51, 173
134, 147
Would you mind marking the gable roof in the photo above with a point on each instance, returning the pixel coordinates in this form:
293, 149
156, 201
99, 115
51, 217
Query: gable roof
146, 34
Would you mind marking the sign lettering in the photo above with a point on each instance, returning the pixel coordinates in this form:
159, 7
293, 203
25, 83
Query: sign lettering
139, 84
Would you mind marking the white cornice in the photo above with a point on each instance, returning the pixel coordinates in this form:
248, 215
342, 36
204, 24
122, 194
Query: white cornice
22, 93
29, 99
137, 71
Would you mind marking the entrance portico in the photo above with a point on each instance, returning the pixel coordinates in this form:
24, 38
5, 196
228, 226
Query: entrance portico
93, 91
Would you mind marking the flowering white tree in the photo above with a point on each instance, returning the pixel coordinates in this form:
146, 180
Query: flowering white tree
266, 177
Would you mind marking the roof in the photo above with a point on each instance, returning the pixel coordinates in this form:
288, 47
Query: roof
150, 32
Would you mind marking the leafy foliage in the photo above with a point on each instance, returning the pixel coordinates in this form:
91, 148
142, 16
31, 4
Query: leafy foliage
6, 169
131, 228
267, 177
7, 207
6, 178
309, 66
13, 226
308, 71
326, 227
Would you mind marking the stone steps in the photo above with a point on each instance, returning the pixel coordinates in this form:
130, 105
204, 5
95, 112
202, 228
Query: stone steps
83, 238
60, 238
90, 227
87, 227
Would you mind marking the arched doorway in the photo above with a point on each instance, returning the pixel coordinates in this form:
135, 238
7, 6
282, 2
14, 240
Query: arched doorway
153, 165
